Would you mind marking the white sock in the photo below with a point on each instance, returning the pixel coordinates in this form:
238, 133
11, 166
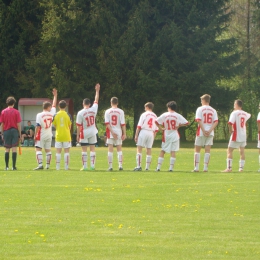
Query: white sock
241, 164
84, 158
206, 161
138, 160
110, 159
39, 158
229, 164
159, 163
196, 161
120, 159
148, 161
66, 160
172, 161
48, 159
92, 159
58, 157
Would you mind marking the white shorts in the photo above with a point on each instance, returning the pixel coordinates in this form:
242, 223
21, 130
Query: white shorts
114, 141
43, 143
90, 140
145, 139
204, 140
171, 146
235, 145
62, 145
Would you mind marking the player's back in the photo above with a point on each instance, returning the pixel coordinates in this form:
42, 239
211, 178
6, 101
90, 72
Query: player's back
44, 121
147, 121
116, 118
238, 119
62, 122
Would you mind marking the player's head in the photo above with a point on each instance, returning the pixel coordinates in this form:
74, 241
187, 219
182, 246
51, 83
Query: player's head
10, 101
238, 104
205, 99
29, 123
114, 101
172, 105
62, 104
86, 102
47, 105
148, 106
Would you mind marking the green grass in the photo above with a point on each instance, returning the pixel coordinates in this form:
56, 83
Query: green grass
131, 215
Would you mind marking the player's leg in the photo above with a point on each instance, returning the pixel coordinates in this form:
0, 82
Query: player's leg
15, 142
199, 142
231, 148
48, 155
149, 144
58, 155
148, 158
138, 158
39, 158
7, 145
242, 158
92, 157
110, 144
258, 146
119, 155
66, 146
206, 157
84, 156
160, 160
172, 161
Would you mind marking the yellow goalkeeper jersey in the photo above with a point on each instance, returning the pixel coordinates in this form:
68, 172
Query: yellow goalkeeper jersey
62, 122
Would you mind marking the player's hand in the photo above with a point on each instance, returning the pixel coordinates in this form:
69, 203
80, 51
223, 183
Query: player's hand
162, 128
97, 87
123, 137
115, 136
55, 92
135, 139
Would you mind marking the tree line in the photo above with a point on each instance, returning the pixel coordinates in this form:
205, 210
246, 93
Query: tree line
138, 50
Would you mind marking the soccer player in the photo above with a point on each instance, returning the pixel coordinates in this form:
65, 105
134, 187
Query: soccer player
258, 125
62, 122
43, 131
169, 122
237, 129
116, 132
87, 131
207, 119
144, 135
11, 129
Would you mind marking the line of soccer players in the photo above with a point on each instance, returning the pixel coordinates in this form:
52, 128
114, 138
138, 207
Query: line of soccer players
148, 125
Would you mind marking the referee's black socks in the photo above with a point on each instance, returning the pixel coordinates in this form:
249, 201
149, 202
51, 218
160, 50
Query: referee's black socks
14, 156
7, 159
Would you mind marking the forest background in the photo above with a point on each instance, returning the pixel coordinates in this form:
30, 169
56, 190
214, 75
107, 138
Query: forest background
138, 50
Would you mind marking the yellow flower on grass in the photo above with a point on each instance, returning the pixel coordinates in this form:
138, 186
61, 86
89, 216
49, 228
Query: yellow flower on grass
16, 230
120, 226
42, 235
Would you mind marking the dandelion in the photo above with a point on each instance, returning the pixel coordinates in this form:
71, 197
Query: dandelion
42, 235
16, 230
140, 231
120, 226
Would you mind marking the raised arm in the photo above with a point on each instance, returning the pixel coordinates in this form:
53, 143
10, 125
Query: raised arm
97, 88
55, 95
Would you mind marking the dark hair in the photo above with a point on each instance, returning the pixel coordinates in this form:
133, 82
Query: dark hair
46, 104
114, 100
10, 101
62, 104
86, 102
172, 105
150, 105
239, 102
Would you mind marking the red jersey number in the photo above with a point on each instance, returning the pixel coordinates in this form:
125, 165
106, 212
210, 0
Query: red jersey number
90, 120
114, 120
242, 122
150, 123
207, 118
47, 122
171, 124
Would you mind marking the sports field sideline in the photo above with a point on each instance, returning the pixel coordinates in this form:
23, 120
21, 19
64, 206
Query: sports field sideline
53, 214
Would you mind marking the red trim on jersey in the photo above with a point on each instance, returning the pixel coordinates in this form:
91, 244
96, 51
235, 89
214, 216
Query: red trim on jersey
258, 121
138, 127
234, 134
198, 131
38, 135
106, 123
197, 119
78, 124
215, 121
53, 106
107, 133
156, 131
95, 102
122, 124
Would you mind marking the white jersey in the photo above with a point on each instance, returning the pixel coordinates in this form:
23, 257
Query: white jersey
258, 118
208, 116
44, 122
115, 117
147, 121
171, 120
238, 120
86, 121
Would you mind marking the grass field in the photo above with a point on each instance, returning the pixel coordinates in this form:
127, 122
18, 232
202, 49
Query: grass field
131, 215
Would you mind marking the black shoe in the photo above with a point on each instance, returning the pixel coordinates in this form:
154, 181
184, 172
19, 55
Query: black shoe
157, 170
137, 169
110, 169
14, 168
147, 169
120, 169
170, 170
38, 168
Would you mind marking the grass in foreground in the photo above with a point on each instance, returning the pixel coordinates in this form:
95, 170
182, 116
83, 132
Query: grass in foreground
131, 215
